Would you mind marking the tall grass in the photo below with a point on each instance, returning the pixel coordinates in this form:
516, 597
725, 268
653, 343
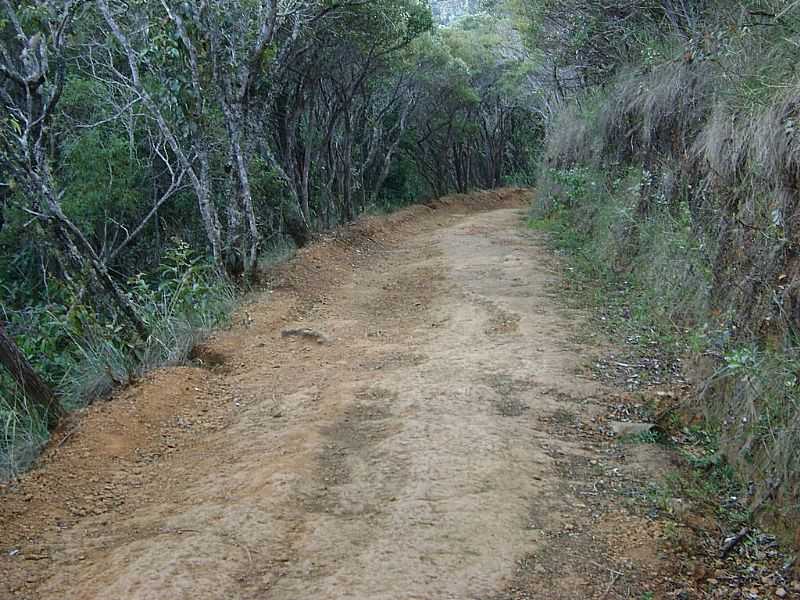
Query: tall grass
667, 277
682, 177
23, 432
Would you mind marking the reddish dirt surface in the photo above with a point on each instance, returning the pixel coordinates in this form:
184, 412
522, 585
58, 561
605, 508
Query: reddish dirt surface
445, 441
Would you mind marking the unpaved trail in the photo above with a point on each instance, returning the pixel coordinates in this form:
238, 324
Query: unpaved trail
436, 446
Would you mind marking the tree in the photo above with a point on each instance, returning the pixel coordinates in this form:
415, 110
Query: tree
476, 107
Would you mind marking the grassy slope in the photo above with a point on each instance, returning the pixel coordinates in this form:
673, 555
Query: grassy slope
678, 184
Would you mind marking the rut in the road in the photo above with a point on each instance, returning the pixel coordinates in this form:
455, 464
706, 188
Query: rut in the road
412, 456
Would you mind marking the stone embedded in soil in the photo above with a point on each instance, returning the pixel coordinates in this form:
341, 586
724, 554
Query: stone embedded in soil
621, 428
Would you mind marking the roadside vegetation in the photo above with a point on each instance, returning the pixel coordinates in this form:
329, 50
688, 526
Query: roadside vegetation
670, 175
703, 502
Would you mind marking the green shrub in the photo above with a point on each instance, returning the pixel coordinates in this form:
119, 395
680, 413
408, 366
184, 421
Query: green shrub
84, 355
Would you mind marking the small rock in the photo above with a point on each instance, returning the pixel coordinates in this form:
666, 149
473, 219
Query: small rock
621, 428
780, 592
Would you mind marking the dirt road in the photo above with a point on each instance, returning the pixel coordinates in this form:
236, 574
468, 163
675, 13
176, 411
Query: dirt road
441, 441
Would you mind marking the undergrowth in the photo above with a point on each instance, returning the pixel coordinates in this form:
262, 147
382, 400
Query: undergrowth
84, 355
659, 302
673, 187
649, 301
650, 281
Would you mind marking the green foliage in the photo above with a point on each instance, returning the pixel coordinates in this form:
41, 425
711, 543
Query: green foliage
740, 360
477, 128
658, 298
45, 334
84, 355
188, 286
388, 23
403, 186
105, 178
689, 142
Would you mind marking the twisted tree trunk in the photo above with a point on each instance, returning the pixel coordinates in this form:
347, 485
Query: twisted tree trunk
35, 390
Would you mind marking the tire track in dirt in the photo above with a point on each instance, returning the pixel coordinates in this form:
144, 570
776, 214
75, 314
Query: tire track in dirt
411, 457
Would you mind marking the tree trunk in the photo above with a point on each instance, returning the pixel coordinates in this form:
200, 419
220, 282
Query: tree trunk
305, 204
35, 390
253, 238
208, 212
234, 262
347, 170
